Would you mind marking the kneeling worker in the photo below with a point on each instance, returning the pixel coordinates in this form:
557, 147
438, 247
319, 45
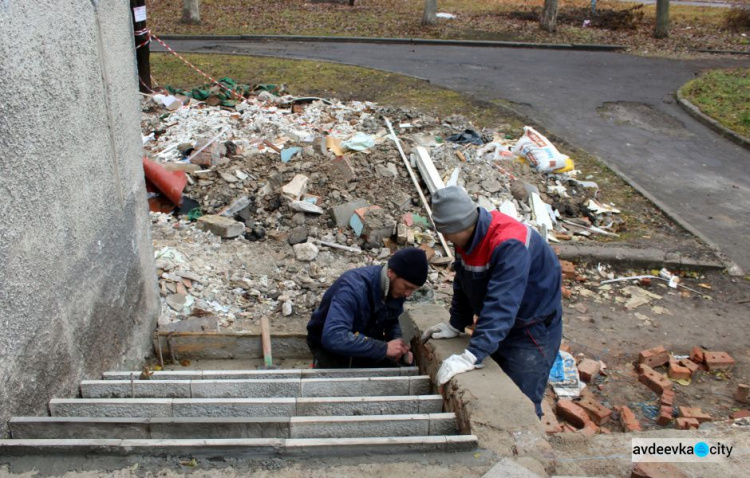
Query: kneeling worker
356, 323
509, 277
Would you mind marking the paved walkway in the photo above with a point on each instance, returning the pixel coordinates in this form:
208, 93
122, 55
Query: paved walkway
616, 106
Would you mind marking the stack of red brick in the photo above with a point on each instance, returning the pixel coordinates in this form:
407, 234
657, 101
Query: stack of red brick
587, 415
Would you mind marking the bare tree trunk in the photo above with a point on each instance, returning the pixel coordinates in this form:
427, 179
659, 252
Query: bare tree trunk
662, 19
548, 22
430, 12
191, 11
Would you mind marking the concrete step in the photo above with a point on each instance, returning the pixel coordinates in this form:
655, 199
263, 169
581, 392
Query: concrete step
244, 407
266, 374
214, 428
257, 388
241, 447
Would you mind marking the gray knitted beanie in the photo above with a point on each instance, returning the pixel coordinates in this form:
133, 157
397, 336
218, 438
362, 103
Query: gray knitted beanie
453, 210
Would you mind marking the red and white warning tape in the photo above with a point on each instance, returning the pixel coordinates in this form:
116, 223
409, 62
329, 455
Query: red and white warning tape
213, 81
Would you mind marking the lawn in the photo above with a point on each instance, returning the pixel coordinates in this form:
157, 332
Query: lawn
725, 96
502, 20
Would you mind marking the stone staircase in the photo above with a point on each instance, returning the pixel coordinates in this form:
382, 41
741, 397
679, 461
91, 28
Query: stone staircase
308, 412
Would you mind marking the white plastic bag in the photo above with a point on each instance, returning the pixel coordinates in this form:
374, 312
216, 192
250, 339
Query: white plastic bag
539, 152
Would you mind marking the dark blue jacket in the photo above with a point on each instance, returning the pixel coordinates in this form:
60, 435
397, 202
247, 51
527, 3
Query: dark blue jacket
509, 277
353, 318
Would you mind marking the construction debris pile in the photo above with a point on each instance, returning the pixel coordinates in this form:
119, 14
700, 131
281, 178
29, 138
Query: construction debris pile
320, 186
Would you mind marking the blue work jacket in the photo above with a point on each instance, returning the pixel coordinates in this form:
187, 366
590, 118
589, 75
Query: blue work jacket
508, 277
354, 318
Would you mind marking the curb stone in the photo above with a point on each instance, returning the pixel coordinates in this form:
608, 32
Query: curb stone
696, 113
650, 258
404, 41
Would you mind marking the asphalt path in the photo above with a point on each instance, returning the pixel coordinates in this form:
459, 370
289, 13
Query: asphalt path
616, 106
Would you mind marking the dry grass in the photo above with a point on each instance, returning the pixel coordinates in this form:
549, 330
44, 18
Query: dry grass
692, 27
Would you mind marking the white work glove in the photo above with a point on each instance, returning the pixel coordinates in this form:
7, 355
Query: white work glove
455, 364
440, 331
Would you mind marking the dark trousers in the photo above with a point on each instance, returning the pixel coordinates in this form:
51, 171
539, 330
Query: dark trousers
325, 359
527, 355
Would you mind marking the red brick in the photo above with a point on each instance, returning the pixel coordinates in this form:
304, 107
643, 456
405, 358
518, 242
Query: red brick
687, 363
566, 293
696, 355
678, 372
567, 427
686, 423
656, 470
568, 270
654, 357
589, 430
653, 380
573, 413
598, 413
646, 281
628, 420
551, 425
665, 415
694, 412
588, 369
565, 348
718, 361
741, 395
740, 414
605, 431
667, 398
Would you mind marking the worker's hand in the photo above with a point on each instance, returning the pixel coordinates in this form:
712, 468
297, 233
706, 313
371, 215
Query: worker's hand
396, 349
455, 364
440, 331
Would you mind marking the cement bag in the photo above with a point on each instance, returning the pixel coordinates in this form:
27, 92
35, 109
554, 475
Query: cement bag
564, 376
540, 153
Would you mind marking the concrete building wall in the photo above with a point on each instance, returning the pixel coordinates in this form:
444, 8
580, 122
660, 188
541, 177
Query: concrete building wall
77, 284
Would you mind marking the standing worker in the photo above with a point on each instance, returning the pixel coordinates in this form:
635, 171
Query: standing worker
356, 323
509, 277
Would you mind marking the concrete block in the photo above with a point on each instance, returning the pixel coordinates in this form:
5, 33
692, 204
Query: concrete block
443, 424
111, 407
344, 167
359, 372
211, 428
135, 389
343, 212
78, 428
234, 407
355, 387
377, 445
157, 375
420, 385
250, 374
362, 426
402, 405
296, 188
258, 388
220, 226
430, 403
